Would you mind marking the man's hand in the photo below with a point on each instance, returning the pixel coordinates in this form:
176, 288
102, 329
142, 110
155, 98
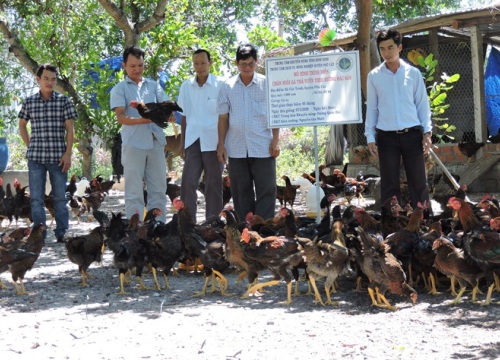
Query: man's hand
427, 142
222, 154
372, 147
65, 162
274, 148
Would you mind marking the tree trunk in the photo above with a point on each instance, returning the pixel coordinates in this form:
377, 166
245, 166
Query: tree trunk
86, 149
364, 15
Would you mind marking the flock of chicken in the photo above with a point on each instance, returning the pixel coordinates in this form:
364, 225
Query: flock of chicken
393, 250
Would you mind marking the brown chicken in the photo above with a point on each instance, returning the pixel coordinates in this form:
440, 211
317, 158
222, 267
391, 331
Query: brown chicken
33, 244
495, 223
159, 113
402, 243
48, 201
93, 199
277, 253
483, 246
104, 185
391, 218
234, 251
327, 260
289, 192
451, 261
265, 227
383, 270
210, 254
83, 250
422, 261
18, 234
226, 190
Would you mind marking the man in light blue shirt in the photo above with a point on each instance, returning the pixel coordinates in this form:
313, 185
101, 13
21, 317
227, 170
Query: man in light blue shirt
398, 121
143, 142
198, 99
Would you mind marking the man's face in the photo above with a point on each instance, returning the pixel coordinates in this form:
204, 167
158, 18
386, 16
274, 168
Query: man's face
47, 81
247, 66
201, 64
134, 68
389, 50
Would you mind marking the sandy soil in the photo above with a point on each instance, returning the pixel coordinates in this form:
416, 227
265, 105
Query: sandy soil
61, 320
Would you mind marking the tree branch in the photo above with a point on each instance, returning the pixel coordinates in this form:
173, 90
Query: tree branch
16, 48
121, 21
153, 20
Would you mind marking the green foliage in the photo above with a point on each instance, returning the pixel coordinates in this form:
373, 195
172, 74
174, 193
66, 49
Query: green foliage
438, 93
297, 150
17, 152
262, 35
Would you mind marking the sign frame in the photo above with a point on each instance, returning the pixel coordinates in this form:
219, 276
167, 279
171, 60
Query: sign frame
319, 89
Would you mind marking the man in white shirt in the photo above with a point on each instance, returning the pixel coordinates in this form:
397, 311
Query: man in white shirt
198, 98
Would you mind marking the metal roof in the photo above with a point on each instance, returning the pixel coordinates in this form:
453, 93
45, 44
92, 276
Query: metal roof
452, 23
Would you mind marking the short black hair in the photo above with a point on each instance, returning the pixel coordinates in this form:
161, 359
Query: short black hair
47, 67
133, 50
200, 51
389, 34
246, 51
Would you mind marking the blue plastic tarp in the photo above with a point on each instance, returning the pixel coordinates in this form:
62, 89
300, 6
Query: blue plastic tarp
115, 64
492, 92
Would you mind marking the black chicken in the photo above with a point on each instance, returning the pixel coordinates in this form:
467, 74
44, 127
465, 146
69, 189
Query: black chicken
469, 149
159, 113
163, 247
83, 250
128, 251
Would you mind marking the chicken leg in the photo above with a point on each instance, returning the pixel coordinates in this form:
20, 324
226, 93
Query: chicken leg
21, 290
155, 279
317, 295
122, 287
259, 287
487, 302
432, 285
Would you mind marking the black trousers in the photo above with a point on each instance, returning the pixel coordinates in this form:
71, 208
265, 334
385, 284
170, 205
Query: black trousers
393, 147
253, 186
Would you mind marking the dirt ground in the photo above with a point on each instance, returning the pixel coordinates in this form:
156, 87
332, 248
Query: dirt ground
61, 320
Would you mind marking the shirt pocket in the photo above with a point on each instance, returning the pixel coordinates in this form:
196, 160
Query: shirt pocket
259, 108
212, 105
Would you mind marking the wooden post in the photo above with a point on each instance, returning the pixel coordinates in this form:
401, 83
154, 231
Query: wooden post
476, 41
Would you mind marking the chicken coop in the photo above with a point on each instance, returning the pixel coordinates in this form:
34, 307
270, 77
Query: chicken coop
468, 143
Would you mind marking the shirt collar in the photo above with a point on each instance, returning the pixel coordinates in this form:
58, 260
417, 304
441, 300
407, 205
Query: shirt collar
129, 80
254, 79
210, 80
52, 96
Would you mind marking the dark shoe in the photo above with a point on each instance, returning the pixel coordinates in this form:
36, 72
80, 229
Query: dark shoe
60, 239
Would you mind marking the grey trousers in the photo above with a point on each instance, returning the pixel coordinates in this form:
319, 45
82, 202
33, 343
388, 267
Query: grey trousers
253, 186
150, 165
195, 163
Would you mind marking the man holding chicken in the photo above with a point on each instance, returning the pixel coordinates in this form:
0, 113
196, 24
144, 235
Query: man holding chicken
143, 141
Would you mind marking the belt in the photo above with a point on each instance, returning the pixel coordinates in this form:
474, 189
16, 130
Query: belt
402, 131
